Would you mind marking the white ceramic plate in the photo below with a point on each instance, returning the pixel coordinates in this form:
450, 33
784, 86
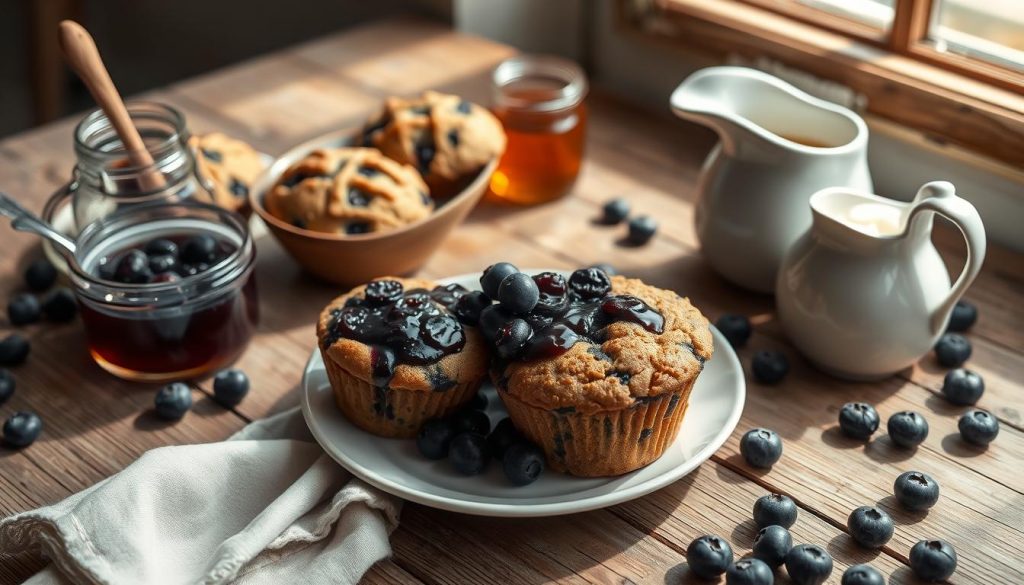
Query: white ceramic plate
395, 466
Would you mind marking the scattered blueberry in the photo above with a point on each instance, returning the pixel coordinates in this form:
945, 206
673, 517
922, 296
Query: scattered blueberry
518, 293
22, 429
735, 328
523, 463
862, 575
435, 437
199, 249
605, 267
870, 527
858, 420
775, 509
14, 349
615, 211
23, 309
963, 387
6, 385
469, 453
493, 275
161, 247
808, 564
132, 268
769, 367
709, 556
173, 401
60, 305
502, 437
952, 350
471, 421
772, 544
641, 230
479, 401
512, 336
963, 317
978, 427
933, 560
469, 306
916, 491
40, 275
230, 387
749, 572
907, 429
761, 447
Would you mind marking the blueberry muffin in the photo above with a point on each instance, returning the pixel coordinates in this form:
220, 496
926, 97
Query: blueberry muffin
349, 191
228, 168
445, 137
599, 371
398, 355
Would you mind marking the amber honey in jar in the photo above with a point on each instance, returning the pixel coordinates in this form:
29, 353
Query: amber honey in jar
539, 100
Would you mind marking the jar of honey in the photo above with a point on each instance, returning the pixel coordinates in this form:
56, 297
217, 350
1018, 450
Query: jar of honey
539, 100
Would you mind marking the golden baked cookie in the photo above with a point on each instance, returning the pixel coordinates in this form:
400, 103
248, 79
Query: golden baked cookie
349, 191
445, 137
228, 167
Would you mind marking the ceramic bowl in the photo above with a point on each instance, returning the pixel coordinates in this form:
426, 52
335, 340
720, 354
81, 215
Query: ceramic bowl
354, 259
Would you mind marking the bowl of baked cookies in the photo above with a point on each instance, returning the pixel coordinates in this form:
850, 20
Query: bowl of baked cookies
350, 206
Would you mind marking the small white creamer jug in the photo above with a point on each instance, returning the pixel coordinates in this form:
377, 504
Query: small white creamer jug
864, 293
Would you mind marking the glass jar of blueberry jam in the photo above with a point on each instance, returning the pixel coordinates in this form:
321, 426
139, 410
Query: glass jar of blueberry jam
167, 291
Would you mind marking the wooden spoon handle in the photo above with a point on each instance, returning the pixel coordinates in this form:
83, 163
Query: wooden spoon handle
81, 53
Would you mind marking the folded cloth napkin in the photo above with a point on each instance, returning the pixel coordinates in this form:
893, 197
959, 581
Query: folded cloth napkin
265, 506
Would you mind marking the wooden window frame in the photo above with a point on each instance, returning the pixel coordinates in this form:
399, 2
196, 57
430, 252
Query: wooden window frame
949, 98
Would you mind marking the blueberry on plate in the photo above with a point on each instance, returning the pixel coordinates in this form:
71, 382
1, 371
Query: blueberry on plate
493, 275
761, 447
952, 350
858, 420
173, 401
230, 387
769, 367
23, 309
523, 463
469, 306
22, 429
862, 575
749, 572
14, 350
502, 437
870, 527
963, 387
907, 429
772, 544
963, 317
60, 305
641, 230
6, 385
471, 421
512, 336
615, 211
435, 437
808, 564
199, 249
40, 275
469, 453
735, 328
518, 293
708, 556
978, 427
775, 509
916, 491
933, 560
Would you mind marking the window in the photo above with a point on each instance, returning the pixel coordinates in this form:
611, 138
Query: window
992, 30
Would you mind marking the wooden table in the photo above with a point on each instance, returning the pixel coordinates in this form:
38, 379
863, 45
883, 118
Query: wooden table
96, 425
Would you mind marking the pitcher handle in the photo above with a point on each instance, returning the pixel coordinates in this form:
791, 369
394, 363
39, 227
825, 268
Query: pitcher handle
940, 197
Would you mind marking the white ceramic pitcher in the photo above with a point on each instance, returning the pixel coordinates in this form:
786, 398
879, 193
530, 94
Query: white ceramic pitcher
778, 145
864, 293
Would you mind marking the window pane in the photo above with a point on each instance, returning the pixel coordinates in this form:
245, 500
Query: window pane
992, 30
876, 13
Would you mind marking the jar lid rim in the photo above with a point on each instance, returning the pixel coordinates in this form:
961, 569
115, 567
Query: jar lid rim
528, 66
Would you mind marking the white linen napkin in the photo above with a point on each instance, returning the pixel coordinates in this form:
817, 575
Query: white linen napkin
265, 506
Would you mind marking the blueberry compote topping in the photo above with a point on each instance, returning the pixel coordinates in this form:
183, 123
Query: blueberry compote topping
164, 259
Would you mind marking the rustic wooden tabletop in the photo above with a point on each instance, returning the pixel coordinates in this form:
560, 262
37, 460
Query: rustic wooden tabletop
96, 424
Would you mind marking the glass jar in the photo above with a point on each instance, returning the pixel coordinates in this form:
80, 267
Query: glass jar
539, 100
181, 328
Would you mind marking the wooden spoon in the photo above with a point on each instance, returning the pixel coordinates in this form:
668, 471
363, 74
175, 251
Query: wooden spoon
82, 55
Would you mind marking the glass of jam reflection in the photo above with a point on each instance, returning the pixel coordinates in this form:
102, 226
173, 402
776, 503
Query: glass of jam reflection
167, 291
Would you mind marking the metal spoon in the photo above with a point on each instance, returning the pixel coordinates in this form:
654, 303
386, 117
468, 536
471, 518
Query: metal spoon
26, 221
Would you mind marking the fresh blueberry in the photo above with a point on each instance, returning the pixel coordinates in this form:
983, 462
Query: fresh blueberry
493, 275
605, 267
858, 420
978, 427
963, 387
14, 350
40, 275
518, 293
771, 544
761, 447
916, 491
963, 317
590, 284
199, 249
952, 350
60, 305
523, 463
23, 309
469, 453
435, 437
512, 337
907, 429
615, 211
469, 306
775, 509
22, 429
808, 564
862, 575
478, 402
492, 319
469, 420
870, 527
6, 385
709, 556
161, 247
641, 230
735, 328
502, 437
749, 572
132, 268
933, 560
173, 401
769, 367
230, 387
383, 292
